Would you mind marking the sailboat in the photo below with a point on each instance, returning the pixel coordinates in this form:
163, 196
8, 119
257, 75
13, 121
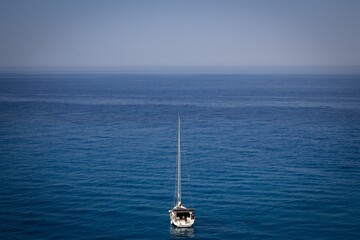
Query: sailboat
180, 216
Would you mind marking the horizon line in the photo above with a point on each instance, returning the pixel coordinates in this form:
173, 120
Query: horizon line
288, 69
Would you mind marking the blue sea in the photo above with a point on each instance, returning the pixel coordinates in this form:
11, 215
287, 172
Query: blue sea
265, 156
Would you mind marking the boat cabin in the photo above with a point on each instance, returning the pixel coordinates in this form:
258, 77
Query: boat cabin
184, 213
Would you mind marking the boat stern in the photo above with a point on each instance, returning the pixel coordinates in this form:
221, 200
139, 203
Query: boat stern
182, 217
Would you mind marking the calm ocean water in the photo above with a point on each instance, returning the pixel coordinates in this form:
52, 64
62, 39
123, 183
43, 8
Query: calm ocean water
93, 156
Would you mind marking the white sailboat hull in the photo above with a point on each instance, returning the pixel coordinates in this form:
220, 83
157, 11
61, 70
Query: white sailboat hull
182, 217
182, 223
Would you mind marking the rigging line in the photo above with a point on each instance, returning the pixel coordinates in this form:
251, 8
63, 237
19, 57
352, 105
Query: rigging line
176, 173
188, 177
175, 185
187, 171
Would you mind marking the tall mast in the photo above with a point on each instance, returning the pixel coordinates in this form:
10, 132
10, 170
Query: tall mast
179, 166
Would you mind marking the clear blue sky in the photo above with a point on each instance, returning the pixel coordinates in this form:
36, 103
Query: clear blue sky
187, 33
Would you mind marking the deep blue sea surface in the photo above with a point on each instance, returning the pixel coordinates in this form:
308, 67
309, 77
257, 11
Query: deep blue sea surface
93, 156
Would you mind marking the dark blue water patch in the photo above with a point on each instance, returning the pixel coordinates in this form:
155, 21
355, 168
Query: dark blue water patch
94, 156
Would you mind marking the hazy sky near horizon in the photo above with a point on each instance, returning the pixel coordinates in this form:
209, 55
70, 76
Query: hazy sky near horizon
46, 33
